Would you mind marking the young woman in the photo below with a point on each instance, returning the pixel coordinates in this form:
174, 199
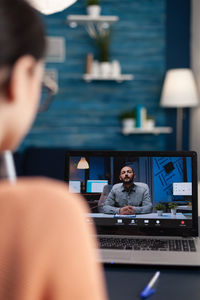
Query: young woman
47, 251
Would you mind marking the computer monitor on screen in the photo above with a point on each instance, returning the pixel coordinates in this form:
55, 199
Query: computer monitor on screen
74, 186
96, 186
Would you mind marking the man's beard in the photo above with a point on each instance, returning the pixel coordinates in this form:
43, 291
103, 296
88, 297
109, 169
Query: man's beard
127, 181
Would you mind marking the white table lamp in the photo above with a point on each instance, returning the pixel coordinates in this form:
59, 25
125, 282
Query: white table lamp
179, 91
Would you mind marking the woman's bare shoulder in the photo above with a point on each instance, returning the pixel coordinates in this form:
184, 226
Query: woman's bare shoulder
40, 191
49, 224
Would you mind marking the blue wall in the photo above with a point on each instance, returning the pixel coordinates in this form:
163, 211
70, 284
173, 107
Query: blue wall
86, 115
166, 171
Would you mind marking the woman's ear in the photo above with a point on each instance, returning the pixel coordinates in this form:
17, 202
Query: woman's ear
21, 99
22, 81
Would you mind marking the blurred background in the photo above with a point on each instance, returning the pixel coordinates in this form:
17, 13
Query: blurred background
141, 40
149, 38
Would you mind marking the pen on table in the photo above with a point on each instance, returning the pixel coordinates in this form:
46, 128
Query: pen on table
149, 290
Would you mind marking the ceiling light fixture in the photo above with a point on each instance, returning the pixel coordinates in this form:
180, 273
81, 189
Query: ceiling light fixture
48, 7
83, 164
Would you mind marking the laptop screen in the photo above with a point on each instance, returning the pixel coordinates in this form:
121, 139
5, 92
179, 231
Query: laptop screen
131, 192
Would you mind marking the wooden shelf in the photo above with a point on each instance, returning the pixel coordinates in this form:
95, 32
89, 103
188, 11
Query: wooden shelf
119, 78
155, 130
75, 20
97, 26
94, 25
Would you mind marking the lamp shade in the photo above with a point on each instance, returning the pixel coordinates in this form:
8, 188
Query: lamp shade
48, 7
179, 89
83, 164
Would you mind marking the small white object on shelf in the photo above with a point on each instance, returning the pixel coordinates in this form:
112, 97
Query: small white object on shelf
105, 68
116, 68
93, 10
128, 124
155, 130
95, 69
149, 124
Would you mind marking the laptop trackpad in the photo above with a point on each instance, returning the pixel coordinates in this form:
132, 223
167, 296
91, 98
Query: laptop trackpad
115, 255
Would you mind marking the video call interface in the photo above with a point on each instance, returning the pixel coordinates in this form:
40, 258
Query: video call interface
160, 191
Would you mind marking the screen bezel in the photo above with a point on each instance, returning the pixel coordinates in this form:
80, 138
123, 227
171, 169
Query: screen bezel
141, 230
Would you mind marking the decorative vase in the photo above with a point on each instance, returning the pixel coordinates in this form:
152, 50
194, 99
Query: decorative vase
159, 212
149, 124
173, 211
93, 10
128, 125
95, 69
116, 68
105, 68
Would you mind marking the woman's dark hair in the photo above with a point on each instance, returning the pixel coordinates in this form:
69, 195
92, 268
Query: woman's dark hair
21, 33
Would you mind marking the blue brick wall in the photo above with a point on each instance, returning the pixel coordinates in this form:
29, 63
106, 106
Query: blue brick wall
86, 115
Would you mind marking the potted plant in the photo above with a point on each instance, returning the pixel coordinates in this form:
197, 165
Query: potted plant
103, 43
128, 120
173, 207
160, 208
93, 8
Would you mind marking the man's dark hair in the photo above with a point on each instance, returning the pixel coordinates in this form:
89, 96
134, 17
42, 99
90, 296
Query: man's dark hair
21, 33
127, 166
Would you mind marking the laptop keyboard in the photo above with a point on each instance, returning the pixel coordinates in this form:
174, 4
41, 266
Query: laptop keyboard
147, 244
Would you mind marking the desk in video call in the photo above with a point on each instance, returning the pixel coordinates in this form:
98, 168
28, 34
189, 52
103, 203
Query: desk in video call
141, 216
126, 282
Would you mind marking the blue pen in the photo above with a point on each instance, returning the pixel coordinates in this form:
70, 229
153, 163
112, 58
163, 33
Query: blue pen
149, 290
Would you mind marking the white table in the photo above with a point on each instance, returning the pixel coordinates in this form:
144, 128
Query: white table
140, 216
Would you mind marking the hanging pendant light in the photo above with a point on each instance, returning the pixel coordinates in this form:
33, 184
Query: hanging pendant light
83, 164
48, 7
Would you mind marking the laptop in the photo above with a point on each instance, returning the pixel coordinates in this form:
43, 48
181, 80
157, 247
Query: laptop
145, 236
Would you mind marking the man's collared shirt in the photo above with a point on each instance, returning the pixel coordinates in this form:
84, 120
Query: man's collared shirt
137, 196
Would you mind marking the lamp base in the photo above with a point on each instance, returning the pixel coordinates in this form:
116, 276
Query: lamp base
179, 128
